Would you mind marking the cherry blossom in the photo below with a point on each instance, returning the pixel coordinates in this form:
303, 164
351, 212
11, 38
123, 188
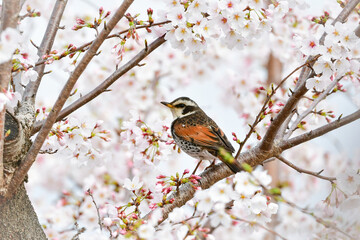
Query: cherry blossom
319, 83
223, 43
133, 184
349, 181
9, 40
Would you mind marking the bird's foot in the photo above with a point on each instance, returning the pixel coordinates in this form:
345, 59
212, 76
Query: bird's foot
211, 165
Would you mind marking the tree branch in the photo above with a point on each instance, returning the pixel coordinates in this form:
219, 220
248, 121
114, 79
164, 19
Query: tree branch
261, 226
45, 47
326, 224
267, 149
2, 135
270, 135
209, 177
300, 88
292, 142
9, 18
105, 84
97, 208
301, 170
85, 45
30, 157
321, 97
268, 97
253, 157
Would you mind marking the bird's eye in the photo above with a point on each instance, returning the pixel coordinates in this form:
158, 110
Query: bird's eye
180, 105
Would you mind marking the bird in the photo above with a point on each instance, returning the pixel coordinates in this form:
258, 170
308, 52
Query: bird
198, 135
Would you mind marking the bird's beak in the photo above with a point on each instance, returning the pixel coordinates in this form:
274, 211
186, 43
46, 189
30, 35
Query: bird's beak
167, 104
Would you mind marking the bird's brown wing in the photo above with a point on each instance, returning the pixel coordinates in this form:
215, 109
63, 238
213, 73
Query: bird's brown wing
207, 137
210, 138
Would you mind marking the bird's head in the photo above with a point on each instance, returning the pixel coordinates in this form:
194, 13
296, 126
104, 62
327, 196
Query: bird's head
182, 106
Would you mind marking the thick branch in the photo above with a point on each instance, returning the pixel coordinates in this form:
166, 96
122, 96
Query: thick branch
272, 131
292, 142
105, 84
261, 112
300, 89
301, 170
2, 127
266, 149
25, 165
9, 13
220, 171
252, 157
45, 47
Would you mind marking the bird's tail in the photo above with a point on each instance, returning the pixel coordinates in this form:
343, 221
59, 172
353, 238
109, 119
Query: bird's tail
235, 166
229, 160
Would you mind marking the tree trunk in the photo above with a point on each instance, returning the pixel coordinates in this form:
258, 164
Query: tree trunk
18, 220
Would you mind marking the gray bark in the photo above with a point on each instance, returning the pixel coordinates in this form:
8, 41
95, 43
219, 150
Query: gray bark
18, 220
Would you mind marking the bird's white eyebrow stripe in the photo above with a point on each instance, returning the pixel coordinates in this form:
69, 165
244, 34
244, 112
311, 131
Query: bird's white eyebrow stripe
187, 114
186, 102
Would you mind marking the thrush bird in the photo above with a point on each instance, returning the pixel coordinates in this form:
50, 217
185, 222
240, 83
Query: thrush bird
197, 134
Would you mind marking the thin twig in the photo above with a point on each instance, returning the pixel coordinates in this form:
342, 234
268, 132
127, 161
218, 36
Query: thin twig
45, 46
301, 170
79, 231
318, 219
261, 226
286, 144
97, 209
321, 97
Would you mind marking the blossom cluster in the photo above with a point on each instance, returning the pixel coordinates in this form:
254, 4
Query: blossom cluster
145, 142
339, 53
249, 201
9, 41
242, 203
9, 99
194, 23
77, 140
149, 144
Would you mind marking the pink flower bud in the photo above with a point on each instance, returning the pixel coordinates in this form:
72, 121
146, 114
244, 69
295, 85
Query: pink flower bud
186, 171
153, 206
80, 21
195, 177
